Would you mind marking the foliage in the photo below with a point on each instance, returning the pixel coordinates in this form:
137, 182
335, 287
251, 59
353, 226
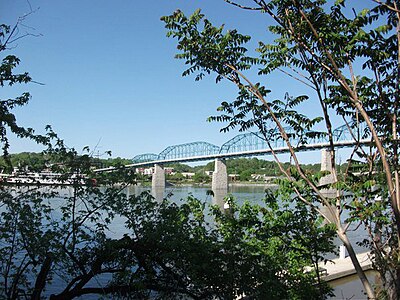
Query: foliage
42, 241
58, 241
167, 250
114, 162
349, 58
36, 162
24, 161
176, 177
201, 177
8, 122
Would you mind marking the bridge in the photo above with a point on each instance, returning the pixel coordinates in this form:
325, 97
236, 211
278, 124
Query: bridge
252, 144
248, 145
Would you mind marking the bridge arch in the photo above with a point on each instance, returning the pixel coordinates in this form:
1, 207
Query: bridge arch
343, 133
145, 158
189, 150
244, 142
255, 141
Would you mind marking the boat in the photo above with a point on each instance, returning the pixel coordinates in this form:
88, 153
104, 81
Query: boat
41, 178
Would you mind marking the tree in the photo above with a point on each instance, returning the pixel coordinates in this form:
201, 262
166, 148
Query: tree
8, 120
177, 177
174, 253
245, 175
61, 235
350, 59
167, 250
201, 177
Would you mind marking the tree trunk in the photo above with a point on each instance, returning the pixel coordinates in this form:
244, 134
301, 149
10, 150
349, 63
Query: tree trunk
41, 278
360, 272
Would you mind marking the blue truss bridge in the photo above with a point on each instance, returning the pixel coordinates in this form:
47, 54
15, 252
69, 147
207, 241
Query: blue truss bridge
252, 144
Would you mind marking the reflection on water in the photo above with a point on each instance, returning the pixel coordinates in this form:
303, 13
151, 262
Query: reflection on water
219, 198
252, 193
158, 193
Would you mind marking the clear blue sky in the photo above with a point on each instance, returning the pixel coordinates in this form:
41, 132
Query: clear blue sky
110, 77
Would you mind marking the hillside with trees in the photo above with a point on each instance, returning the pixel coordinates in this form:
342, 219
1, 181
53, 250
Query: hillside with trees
244, 168
36, 162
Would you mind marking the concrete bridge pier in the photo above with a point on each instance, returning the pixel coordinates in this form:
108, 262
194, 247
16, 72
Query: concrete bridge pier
158, 182
220, 176
326, 165
158, 178
219, 183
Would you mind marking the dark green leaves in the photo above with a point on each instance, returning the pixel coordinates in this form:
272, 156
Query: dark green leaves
206, 48
8, 121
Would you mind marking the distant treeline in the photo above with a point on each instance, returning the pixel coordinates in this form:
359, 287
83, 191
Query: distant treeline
244, 167
38, 161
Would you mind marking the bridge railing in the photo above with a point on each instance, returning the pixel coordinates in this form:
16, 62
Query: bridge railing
145, 157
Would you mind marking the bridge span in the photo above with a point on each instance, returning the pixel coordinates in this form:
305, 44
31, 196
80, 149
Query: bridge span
248, 153
248, 145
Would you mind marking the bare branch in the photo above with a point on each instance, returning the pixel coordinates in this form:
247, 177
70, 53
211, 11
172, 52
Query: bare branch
296, 78
14, 33
387, 5
242, 6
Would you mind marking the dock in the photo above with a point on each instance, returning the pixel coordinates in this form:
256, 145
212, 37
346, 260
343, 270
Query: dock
342, 267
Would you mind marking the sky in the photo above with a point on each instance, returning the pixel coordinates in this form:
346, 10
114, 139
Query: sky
109, 79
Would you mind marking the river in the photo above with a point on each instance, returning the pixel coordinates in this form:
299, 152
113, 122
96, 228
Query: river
345, 288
